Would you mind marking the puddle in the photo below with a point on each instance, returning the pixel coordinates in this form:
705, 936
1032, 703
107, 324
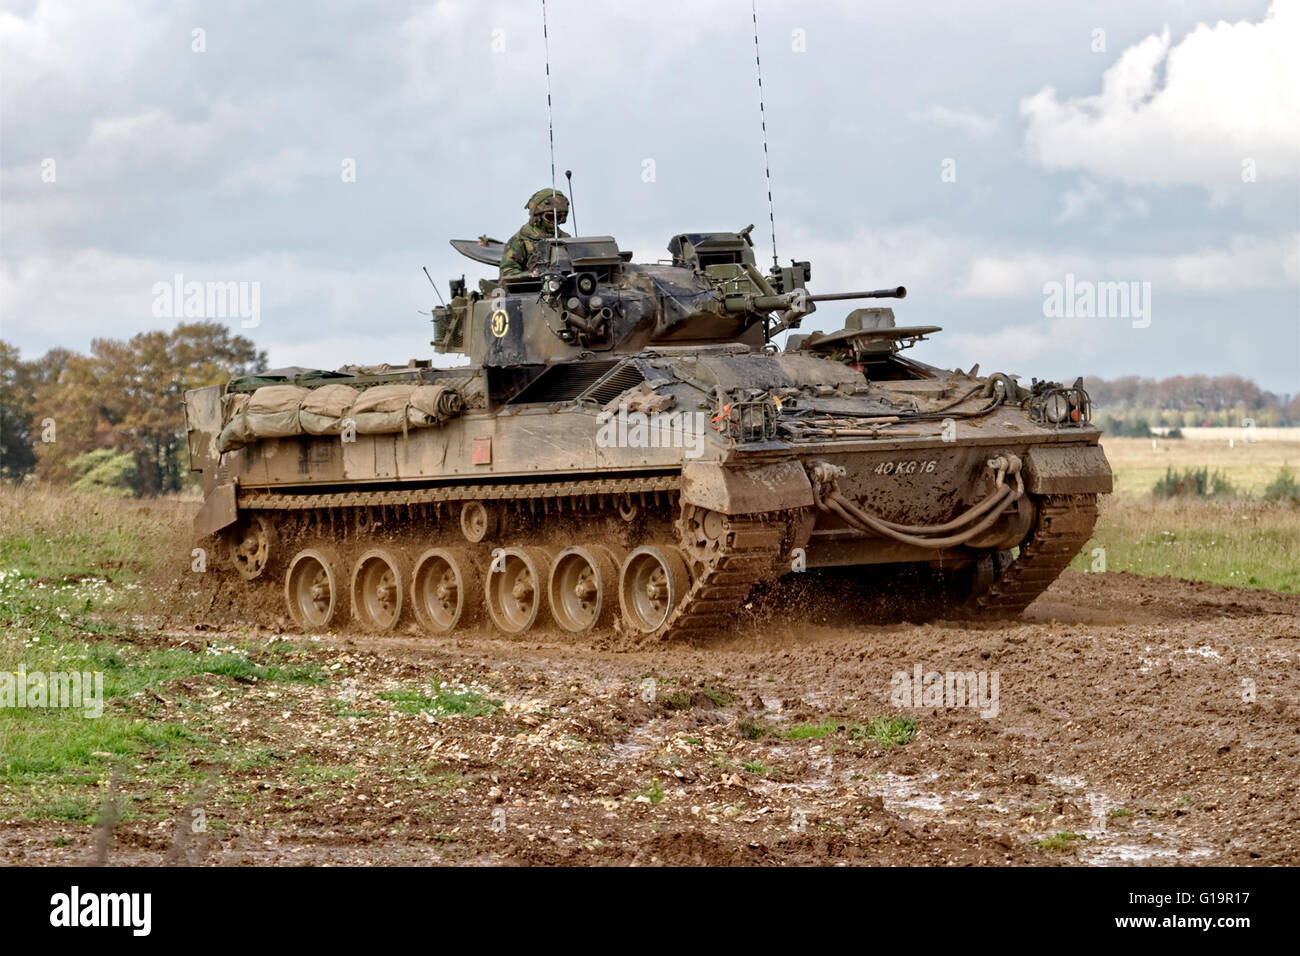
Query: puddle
1107, 846
899, 791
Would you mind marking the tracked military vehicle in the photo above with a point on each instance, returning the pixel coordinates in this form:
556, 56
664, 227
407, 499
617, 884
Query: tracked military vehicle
628, 447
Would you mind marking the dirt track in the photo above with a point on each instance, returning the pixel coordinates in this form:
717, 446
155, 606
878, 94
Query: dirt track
1122, 718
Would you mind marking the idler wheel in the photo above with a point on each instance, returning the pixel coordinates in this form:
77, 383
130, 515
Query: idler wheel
583, 588
251, 544
378, 589
652, 583
446, 590
516, 588
312, 588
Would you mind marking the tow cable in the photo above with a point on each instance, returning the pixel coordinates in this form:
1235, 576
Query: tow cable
828, 497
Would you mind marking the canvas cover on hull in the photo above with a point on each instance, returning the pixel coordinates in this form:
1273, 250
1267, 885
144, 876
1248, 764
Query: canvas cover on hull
283, 411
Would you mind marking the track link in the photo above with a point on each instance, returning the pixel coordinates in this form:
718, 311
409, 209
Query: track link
1063, 526
747, 553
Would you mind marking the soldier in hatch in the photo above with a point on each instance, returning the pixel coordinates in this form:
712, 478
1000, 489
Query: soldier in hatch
546, 209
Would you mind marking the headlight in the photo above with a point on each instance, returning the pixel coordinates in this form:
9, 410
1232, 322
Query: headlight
1057, 407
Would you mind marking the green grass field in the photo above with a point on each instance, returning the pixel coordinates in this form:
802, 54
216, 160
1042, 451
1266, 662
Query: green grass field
1241, 541
74, 571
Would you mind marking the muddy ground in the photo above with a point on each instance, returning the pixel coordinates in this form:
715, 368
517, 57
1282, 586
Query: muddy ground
1139, 721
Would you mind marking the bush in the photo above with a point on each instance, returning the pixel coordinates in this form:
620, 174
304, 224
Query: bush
105, 471
1193, 483
1284, 487
1174, 433
1119, 428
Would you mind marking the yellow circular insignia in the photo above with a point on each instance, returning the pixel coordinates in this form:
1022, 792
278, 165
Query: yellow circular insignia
500, 323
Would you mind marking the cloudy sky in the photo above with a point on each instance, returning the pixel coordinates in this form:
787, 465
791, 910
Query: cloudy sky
328, 150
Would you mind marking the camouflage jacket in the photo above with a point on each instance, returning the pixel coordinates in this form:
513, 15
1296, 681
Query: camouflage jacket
519, 250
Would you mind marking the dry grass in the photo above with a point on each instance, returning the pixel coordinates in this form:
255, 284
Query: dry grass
1139, 462
55, 532
1223, 435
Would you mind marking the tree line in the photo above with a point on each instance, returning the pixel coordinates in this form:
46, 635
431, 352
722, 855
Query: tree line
113, 418
1190, 400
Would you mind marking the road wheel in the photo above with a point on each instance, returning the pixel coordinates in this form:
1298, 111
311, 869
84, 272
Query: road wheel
516, 588
652, 583
313, 590
446, 590
583, 588
378, 589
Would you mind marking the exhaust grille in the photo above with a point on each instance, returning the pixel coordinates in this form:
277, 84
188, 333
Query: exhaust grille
614, 384
563, 383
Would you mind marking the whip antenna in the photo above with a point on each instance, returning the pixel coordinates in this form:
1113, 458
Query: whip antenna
550, 122
434, 284
762, 115
573, 203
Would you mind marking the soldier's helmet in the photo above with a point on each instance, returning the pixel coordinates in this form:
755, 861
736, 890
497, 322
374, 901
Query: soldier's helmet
550, 204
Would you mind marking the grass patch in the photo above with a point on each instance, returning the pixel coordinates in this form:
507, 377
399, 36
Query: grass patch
1239, 542
720, 698
240, 668
342, 708
65, 810
884, 731
442, 700
309, 771
1063, 842
653, 792
59, 533
812, 731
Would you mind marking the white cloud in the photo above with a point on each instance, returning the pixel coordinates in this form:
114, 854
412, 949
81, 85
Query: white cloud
880, 258
968, 121
68, 48
1010, 347
1089, 200
1190, 112
366, 316
1247, 263
279, 174
153, 137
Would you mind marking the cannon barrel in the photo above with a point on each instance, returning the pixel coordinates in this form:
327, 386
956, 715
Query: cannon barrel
769, 303
898, 293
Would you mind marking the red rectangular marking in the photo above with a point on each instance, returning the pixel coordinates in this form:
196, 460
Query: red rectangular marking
481, 451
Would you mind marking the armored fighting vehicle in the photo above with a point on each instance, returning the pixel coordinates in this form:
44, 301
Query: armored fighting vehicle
628, 447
